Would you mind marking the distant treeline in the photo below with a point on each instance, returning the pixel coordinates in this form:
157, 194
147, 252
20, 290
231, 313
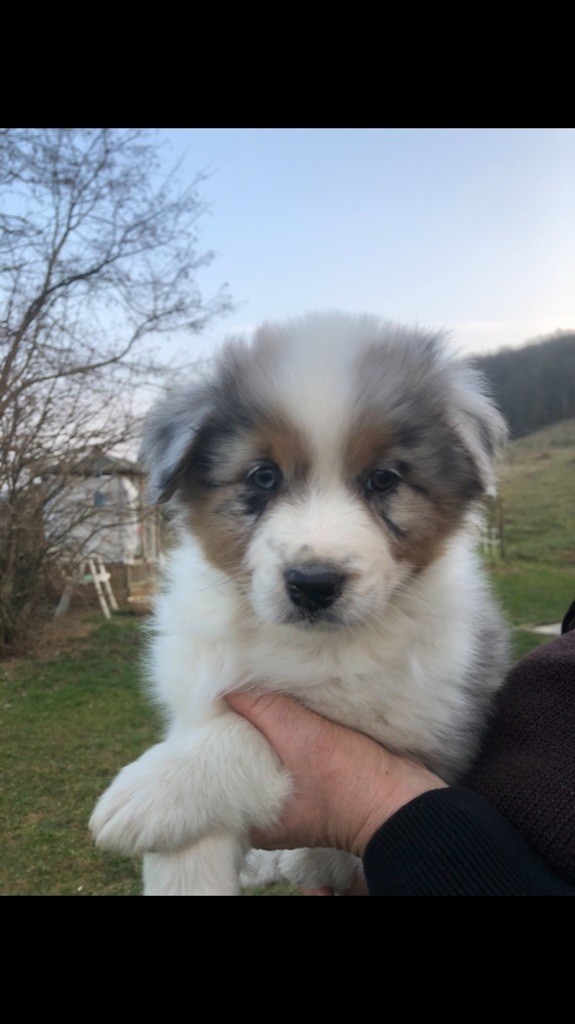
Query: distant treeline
533, 385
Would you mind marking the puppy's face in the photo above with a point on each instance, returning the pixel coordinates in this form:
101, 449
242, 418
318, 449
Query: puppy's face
325, 465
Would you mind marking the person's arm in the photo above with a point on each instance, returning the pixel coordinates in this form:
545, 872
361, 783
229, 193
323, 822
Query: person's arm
415, 835
453, 842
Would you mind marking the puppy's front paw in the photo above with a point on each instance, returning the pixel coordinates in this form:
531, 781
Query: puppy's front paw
140, 812
222, 776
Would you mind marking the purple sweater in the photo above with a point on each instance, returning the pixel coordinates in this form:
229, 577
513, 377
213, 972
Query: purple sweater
509, 828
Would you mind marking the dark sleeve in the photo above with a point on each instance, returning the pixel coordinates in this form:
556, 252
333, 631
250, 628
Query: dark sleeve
453, 842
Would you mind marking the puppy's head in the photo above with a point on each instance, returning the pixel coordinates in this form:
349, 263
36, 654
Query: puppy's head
325, 464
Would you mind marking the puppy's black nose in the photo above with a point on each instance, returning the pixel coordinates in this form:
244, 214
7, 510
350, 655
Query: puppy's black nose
314, 587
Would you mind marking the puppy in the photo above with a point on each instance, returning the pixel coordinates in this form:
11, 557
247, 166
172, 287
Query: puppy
326, 482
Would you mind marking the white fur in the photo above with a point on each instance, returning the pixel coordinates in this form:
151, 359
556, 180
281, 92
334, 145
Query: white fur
393, 668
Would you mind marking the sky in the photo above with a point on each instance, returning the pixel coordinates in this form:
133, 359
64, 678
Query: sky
467, 230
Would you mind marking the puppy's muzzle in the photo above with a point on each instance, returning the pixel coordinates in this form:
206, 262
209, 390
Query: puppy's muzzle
314, 587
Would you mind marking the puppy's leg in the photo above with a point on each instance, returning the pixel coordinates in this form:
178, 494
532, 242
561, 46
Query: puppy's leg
261, 867
310, 869
210, 867
307, 869
223, 775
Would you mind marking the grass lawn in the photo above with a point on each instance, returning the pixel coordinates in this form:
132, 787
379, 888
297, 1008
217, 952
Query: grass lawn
536, 580
68, 722
73, 715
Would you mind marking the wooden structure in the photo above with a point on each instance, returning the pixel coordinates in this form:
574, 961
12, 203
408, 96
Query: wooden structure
90, 572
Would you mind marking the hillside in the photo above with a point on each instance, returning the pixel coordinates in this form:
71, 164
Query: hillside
537, 489
536, 578
533, 385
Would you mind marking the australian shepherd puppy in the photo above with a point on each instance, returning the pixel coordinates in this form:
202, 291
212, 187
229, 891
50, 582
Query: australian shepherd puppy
326, 481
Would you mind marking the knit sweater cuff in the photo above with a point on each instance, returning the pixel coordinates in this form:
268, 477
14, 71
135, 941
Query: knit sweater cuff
452, 842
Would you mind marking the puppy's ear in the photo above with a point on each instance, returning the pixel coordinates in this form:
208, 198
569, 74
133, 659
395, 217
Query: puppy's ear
170, 430
478, 424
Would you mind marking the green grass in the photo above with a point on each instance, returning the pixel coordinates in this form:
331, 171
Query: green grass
536, 594
538, 494
535, 581
71, 718
67, 724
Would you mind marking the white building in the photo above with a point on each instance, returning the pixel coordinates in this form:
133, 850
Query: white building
101, 509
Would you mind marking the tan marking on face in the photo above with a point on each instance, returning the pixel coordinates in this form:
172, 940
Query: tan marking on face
367, 447
222, 530
217, 516
286, 446
425, 523
425, 526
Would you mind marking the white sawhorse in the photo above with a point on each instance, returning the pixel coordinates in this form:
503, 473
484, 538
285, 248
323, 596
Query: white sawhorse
91, 572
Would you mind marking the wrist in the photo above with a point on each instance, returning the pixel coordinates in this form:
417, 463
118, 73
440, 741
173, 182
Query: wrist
396, 784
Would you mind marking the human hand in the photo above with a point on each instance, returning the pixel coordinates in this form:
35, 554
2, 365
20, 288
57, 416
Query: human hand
345, 784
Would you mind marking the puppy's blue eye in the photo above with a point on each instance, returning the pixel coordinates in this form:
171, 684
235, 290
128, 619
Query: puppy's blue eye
383, 481
265, 478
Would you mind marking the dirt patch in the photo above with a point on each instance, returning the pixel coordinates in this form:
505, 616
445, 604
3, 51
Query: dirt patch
60, 633
56, 636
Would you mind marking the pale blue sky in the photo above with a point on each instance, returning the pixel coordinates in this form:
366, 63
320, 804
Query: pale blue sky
472, 230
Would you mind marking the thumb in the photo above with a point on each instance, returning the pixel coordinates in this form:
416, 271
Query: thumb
274, 714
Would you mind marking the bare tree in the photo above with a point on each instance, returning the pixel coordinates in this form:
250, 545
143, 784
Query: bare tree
98, 257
